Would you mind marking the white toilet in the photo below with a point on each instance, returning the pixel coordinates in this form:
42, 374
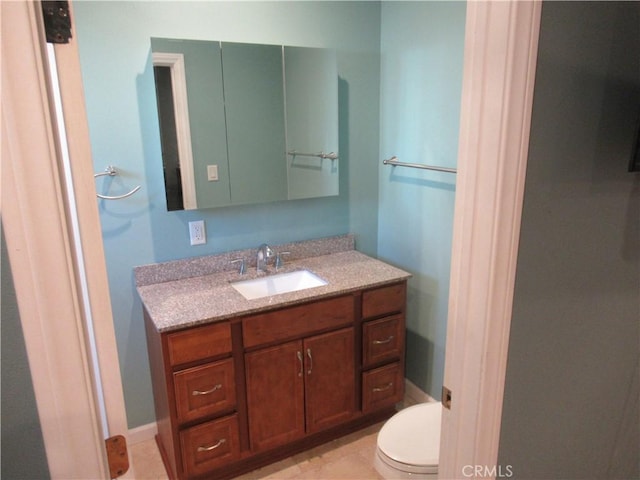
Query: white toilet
409, 443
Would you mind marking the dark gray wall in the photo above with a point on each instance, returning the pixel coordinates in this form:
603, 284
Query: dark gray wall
571, 393
23, 455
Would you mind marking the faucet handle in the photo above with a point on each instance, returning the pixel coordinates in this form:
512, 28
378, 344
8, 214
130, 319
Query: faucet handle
243, 268
279, 261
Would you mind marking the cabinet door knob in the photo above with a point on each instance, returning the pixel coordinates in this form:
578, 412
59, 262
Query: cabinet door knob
382, 342
207, 392
212, 447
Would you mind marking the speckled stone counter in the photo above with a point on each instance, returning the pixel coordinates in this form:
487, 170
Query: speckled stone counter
186, 301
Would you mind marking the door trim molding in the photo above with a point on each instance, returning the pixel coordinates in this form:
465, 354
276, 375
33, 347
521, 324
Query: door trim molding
44, 256
40, 252
90, 234
499, 74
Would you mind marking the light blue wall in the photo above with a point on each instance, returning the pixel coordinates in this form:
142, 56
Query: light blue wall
421, 81
114, 47
404, 102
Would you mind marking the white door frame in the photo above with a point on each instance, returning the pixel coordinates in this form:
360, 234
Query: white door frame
43, 255
501, 47
500, 51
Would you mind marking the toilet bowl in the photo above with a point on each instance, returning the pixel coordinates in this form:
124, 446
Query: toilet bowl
409, 443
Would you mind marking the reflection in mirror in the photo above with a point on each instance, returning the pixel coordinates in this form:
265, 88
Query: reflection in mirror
311, 93
169, 138
254, 102
230, 112
198, 103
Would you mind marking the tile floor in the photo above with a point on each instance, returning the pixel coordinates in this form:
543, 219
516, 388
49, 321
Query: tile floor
349, 457
346, 458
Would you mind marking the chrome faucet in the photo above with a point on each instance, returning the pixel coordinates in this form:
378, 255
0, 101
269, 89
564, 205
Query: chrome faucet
262, 257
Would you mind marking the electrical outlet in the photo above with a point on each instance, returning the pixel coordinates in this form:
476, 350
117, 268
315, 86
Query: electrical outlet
197, 232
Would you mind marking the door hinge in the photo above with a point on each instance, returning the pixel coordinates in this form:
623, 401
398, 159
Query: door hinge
57, 21
446, 397
117, 455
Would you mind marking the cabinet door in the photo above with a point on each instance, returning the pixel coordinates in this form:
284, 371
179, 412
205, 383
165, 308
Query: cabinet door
275, 395
329, 379
311, 101
254, 102
205, 119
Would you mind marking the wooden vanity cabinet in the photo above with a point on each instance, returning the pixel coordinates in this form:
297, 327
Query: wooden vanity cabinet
195, 395
275, 395
330, 385
300, 387
210, 445
383, 346
304, 385
235, 395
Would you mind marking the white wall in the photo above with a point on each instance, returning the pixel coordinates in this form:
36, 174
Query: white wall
571, 394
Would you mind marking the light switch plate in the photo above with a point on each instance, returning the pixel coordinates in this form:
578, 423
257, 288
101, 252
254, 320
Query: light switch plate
212, 173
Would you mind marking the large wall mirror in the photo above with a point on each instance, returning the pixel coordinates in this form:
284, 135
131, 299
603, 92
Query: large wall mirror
245, 123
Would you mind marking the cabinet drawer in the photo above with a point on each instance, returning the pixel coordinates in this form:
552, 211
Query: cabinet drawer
384, 300
382, 387
199, 343
298, 321
382, 340
205, 390
210, 445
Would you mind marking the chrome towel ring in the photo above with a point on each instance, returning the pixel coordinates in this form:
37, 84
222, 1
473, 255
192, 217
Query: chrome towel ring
111, 171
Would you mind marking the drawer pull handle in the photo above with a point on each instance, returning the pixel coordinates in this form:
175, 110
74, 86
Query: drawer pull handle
207, 392
310, 361
300, 360
382, 342
382, 389
212, 447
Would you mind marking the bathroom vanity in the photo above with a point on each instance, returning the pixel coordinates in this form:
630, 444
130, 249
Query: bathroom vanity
242, 383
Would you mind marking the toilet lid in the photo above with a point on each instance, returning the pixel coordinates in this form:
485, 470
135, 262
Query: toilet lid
412, 436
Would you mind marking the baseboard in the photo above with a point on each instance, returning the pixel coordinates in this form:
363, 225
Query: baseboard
143, 433
415, 393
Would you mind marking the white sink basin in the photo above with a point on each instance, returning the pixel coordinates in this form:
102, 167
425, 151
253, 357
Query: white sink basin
279, 283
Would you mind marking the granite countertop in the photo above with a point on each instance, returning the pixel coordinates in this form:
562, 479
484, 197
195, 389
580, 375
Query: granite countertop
208, 298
